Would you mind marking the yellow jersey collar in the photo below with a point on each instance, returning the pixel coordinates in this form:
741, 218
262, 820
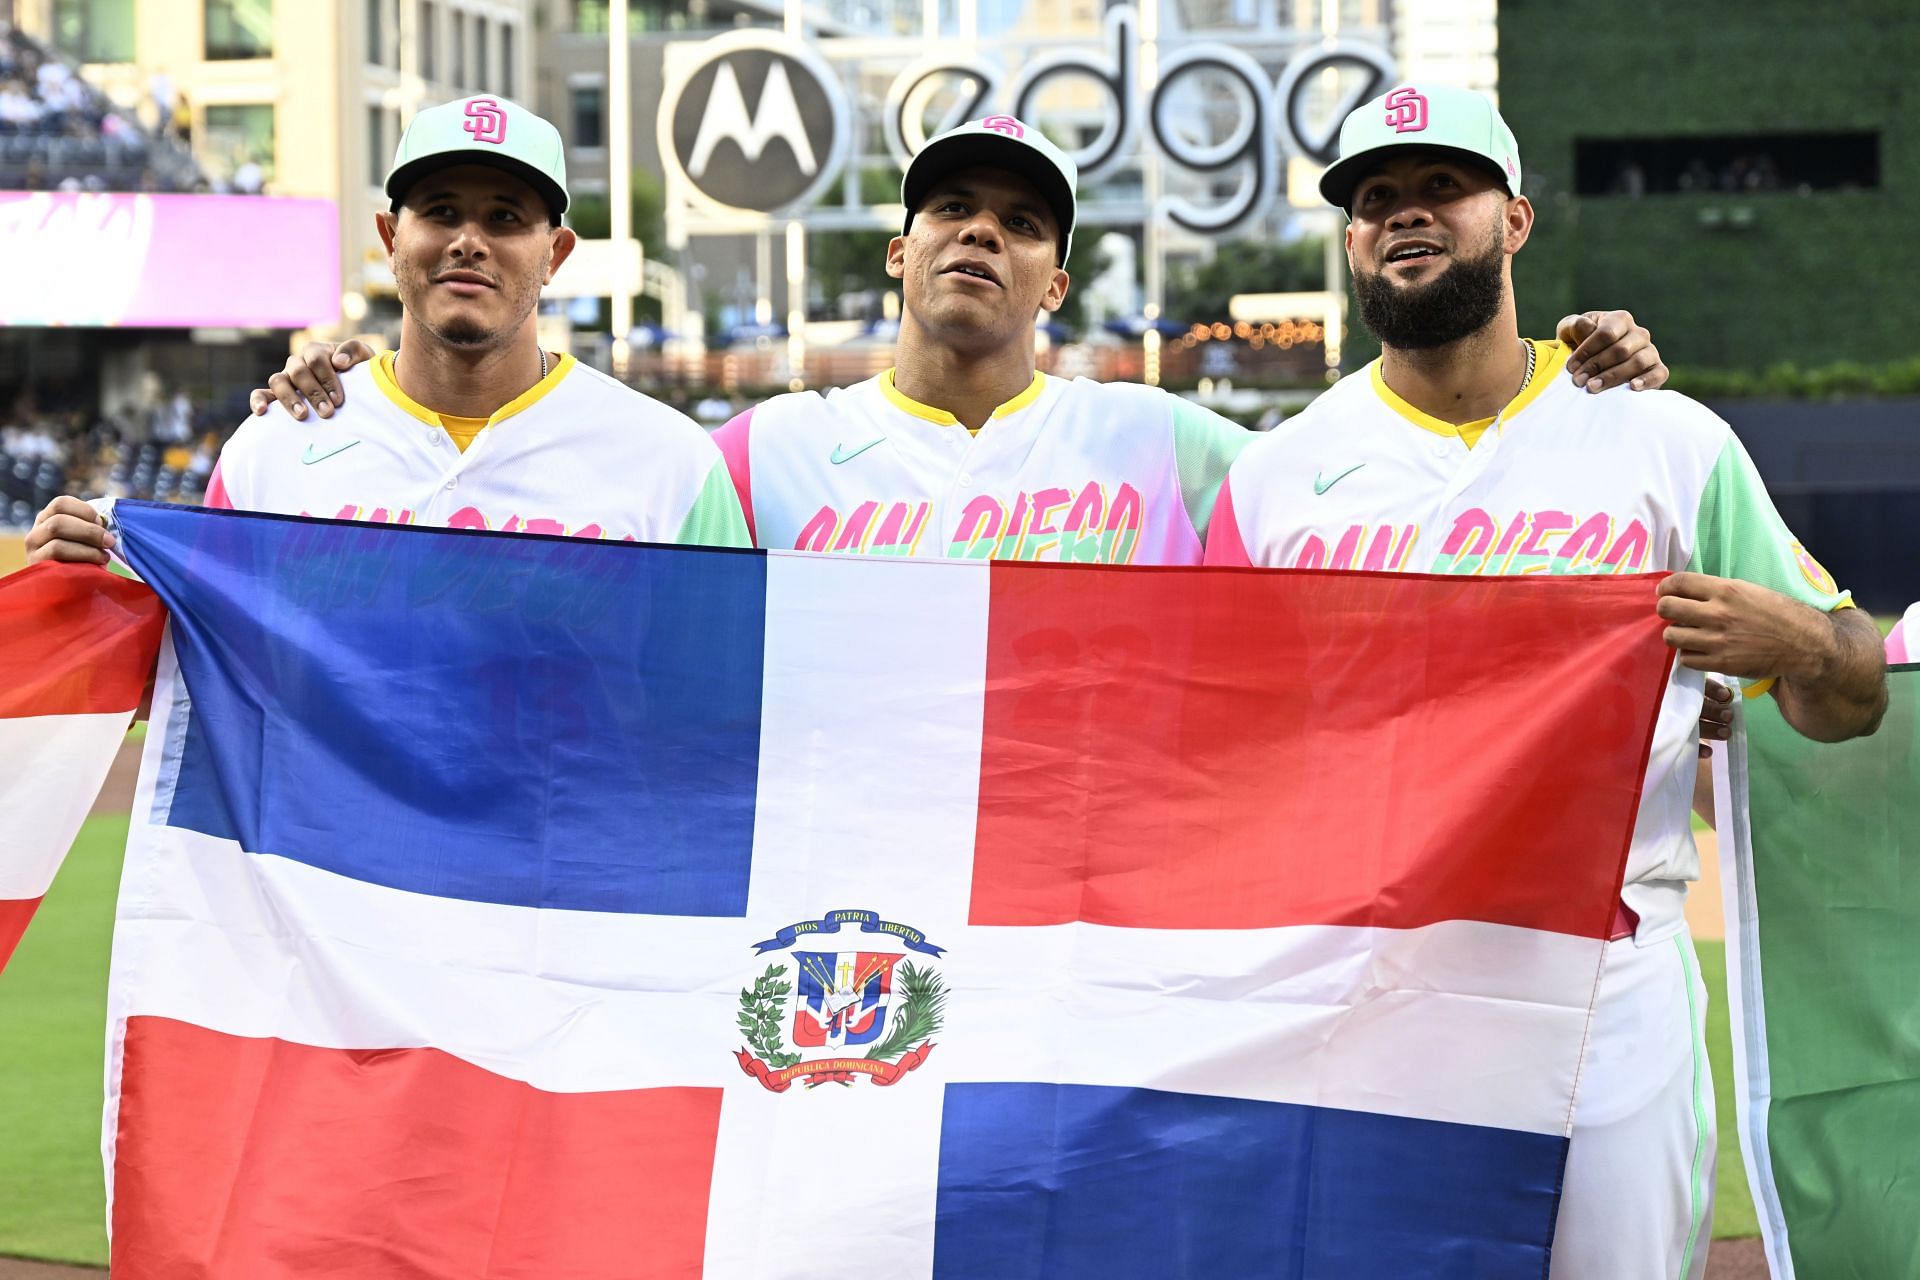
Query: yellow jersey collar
383, 378
907, 404
1550, 358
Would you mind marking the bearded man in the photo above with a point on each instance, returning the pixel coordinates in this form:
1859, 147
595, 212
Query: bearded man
1463, 450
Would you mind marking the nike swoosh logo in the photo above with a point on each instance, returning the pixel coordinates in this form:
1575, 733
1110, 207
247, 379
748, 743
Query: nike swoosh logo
310, 457
840, 455
1321, 486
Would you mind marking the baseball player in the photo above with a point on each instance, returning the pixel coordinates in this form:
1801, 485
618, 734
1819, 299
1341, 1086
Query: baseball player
471, 424
1463, 450
963, 449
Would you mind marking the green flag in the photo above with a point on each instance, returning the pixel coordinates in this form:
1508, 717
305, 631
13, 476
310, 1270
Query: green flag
1822, 876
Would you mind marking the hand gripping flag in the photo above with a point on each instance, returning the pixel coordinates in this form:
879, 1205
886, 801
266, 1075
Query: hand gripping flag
529, 907
77, 645
1820, 857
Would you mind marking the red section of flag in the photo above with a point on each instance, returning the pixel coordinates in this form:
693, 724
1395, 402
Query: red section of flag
1256, 748
260, 1159
15, 915
75, 638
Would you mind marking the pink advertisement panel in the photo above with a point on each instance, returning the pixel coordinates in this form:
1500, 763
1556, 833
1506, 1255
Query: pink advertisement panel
165, 261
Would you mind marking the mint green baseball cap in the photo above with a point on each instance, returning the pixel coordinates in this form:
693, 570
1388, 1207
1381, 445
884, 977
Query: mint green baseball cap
997, 142
482, 130
1421, 118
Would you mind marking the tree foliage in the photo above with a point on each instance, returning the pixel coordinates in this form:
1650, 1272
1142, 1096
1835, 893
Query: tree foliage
591, 217
1200, 292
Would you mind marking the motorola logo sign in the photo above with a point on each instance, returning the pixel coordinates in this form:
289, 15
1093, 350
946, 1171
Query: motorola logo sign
757, 123
754, 123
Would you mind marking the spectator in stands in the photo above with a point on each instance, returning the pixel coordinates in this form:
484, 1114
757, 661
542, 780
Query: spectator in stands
20, 111
247, 178
173, 419
160, 90
59, 132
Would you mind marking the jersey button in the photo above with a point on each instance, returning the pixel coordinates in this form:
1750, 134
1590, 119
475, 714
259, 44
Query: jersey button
435, 438
965, 479
452, 483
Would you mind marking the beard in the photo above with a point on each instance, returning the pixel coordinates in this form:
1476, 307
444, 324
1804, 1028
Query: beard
1460, 301
463, 333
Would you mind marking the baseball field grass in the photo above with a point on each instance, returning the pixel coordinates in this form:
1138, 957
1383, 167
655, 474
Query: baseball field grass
53, 1019
53, 1023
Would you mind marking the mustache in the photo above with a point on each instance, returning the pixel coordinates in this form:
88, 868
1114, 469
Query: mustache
448, 272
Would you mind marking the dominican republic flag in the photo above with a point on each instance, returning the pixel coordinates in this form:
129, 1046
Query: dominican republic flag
76, 647
524, 907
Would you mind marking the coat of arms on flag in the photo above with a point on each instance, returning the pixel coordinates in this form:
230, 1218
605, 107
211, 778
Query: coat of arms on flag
854, 1013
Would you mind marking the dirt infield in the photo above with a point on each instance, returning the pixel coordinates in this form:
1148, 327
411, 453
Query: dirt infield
116, 793
1730, 1260
21, 1269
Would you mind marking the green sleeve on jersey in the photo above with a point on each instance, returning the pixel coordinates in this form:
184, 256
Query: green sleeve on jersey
715, 520
1738, 534
1204, 446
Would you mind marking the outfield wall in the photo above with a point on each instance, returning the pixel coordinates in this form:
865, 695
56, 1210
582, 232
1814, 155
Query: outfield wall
13, 553
1737, 279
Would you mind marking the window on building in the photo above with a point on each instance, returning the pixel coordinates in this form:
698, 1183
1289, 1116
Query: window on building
643, 16
379, 146
239, 29
1736, 164
587, 112
429, 40
482, 78
94, 30
236, 147
377, 32
506, 60
457, 52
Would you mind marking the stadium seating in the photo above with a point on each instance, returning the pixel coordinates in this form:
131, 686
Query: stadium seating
39, 463
57, 132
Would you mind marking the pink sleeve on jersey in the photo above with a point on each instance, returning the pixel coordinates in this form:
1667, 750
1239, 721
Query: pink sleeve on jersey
1901, 641
732, 440
1223, 534
217, 491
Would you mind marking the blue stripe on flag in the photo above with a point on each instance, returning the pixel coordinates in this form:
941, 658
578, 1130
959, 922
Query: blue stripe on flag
1042, 1180
457, 713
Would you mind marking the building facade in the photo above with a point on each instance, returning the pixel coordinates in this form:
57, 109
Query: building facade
296, 97
1737, 179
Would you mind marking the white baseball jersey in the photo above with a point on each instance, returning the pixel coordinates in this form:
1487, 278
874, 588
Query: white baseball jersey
578, 454
1080, 471
1561, 482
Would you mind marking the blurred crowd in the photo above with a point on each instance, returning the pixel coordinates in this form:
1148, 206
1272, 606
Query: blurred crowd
164, 451
57, 132
1740, 174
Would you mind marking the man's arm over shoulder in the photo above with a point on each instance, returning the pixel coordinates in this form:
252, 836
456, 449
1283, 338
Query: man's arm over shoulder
1204, 447
1754, 603
715, 518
